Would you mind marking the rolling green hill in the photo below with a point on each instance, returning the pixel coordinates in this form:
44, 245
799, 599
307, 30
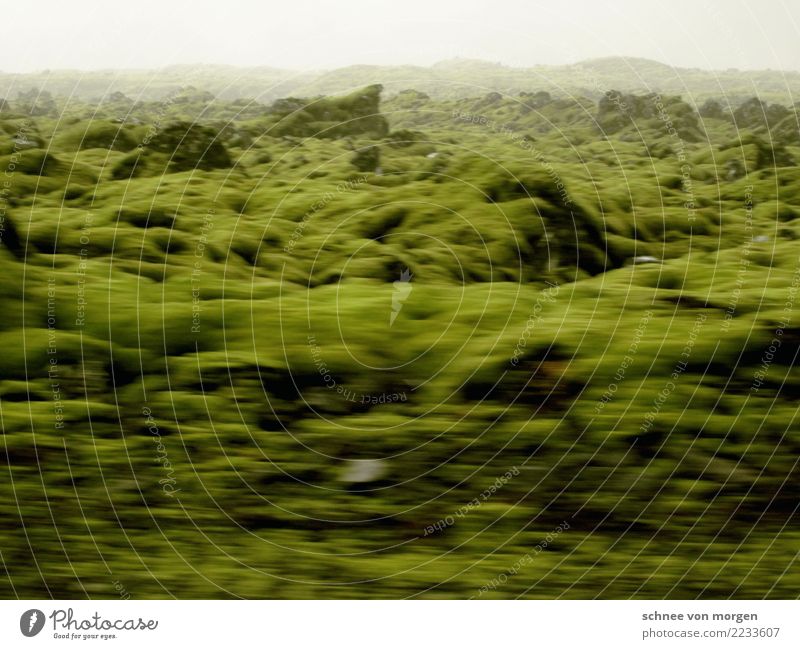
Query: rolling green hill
390, 343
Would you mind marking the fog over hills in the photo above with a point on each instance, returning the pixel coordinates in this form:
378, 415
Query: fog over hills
452, 78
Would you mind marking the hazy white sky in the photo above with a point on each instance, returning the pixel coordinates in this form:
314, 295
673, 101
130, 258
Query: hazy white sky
302, 34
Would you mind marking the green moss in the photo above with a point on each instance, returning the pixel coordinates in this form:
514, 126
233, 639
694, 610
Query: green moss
218, 278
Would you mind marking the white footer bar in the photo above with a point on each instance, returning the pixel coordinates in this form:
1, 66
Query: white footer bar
401, 624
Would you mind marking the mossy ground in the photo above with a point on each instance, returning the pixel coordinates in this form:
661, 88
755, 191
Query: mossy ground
168, 424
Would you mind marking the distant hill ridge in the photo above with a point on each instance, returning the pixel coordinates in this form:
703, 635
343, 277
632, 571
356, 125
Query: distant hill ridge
455, 78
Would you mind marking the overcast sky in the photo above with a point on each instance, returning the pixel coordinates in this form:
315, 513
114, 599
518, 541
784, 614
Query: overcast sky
301, 34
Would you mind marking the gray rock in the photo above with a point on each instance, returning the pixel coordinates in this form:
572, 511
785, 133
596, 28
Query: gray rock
645, 259
356, 471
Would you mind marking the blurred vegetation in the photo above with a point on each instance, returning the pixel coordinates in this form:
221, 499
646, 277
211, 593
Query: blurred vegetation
165, 419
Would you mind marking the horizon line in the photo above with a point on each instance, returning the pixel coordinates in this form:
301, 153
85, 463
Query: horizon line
464, 59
